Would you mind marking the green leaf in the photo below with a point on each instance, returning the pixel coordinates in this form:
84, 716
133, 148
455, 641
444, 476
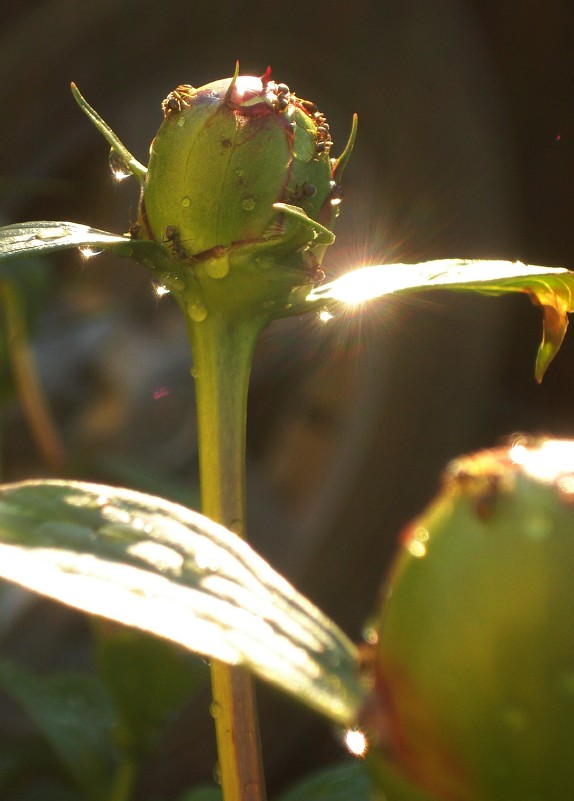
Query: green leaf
75, 715
345, 782
550, 287
148, 679
23, 239
117, 146
160, 567
323, 235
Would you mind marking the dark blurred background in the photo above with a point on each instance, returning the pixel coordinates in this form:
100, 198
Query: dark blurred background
465, 148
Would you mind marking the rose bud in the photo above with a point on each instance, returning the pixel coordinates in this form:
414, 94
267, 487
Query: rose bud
474, 660
240, 180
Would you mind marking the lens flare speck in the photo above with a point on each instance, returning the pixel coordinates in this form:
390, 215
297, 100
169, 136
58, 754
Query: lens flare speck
356, 742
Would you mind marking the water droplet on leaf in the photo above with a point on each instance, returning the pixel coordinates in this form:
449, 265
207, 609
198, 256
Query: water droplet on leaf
46, 234
248, 204
186, 202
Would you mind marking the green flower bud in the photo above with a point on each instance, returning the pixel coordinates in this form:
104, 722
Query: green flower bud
224, 157
474, 667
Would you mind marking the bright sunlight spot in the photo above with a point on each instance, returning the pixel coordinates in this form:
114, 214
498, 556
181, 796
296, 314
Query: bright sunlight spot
367, 283
356, 742
88, 253
548, 462
120, 175
364, 284
160, 290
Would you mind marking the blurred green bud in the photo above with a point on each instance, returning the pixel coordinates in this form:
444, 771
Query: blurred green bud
474, 661
241, 173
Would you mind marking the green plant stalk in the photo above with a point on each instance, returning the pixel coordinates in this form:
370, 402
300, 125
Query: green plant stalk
222, 350
124, 780
27, 381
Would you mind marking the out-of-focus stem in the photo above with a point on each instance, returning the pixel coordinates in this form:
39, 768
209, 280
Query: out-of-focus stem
222, 354
27, 382
124, 781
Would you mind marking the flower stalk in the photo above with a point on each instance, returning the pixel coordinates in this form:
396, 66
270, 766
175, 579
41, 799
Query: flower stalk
235, 214
222, 351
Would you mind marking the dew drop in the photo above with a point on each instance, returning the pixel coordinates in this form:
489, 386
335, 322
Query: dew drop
215, 709
48, 234
218, 268
248, 204
217, 773
197, 311
186, 202
370, 635
181, 121
194, 371
417, 548
239, 173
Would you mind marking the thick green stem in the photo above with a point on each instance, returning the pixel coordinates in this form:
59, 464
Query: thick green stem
222, 354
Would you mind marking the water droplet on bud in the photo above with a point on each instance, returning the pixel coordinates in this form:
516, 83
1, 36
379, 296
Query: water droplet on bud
197, 311
218, 268
46, 234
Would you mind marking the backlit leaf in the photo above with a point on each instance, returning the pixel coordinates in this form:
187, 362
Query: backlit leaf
550, 287
162, 568
22, 239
